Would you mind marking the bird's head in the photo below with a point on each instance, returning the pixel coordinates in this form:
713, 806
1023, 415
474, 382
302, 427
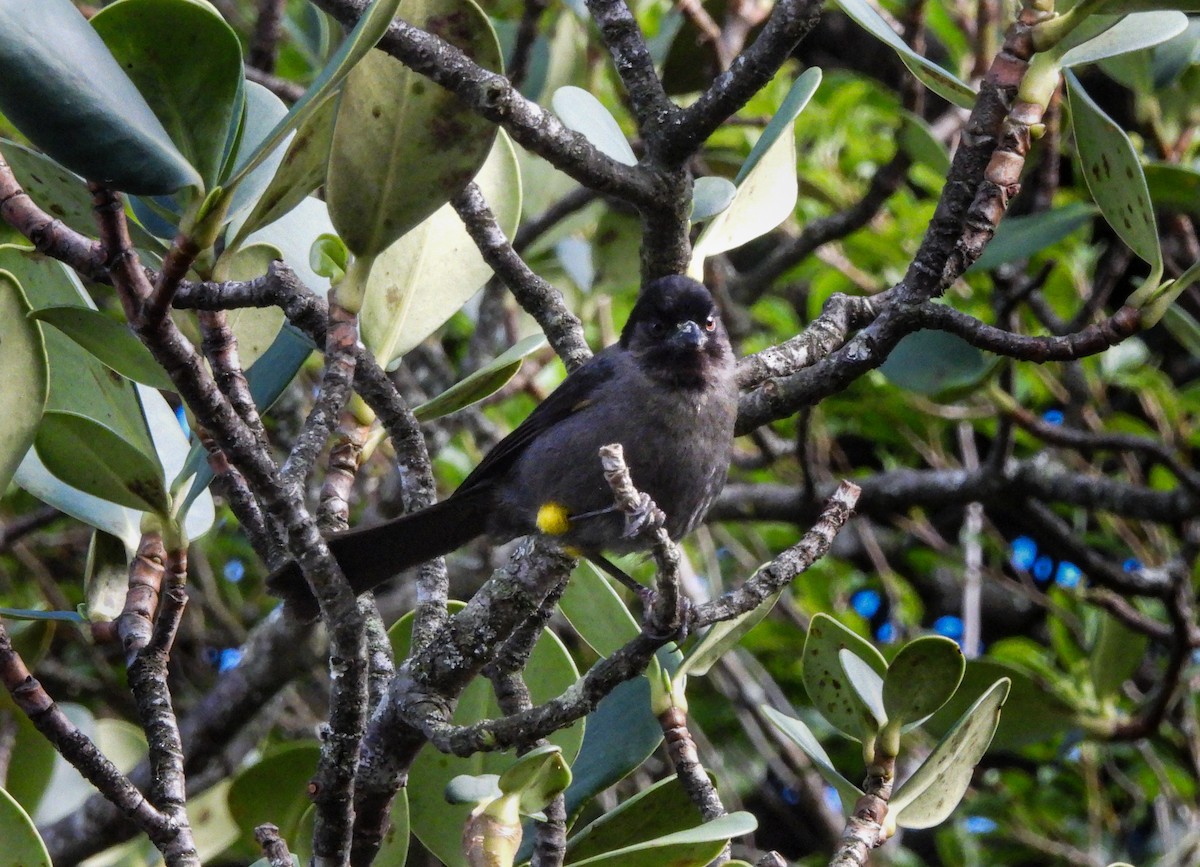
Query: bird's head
676, 332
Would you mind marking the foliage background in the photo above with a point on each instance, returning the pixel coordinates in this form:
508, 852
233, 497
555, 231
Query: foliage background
1098, 752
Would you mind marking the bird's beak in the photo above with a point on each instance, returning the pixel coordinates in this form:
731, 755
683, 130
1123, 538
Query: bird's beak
688, 335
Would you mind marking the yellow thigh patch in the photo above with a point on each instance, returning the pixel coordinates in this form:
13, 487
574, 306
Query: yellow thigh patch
553, 519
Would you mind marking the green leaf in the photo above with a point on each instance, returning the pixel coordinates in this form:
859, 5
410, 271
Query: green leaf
187, 64
596, 612
694, 847
1184, 328
300, 170
413, 145
943, 83
26, 377
172, 448
825, 678
370, 29
918, 141
539, 776
710, 196
437, 825
32, 757
868, 687
580, 111
930, 795
1152, 5
106, 132
1116, 656
932, 362
293, 234
80, 384
274, 789
108, 340
1175, 188
263, 111
393, 851
1131, 33
22, 843
467, 789
106, 577
254, 327
213, 828
767, 186
420, 281
97, 460
62, 193
722, 636
921, 678
801, 735
657, 810
329, 258
483, 383
1114, 177
782, 123
41, 614
121, 742
1019, 238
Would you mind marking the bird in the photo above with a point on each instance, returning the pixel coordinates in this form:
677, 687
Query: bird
666, 391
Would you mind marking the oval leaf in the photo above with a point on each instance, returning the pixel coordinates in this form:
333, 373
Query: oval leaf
694, 847
943, 83
108, 340
722, 636
540, 775
370, 29
105, 132
710, 196
1131, 33
275, 789
767, 186
437, 825
26, 377
482, 383
930, 795
93, 458
187, 64
825, 679
657, 810
1020, 238
63, 193
263, 111
922, 678
414, 146
1114, 177
424, 278
1116, 656
22, 843
299, 171
798, 97
254, 327
801, 735
580, 111
933, 363
868, 686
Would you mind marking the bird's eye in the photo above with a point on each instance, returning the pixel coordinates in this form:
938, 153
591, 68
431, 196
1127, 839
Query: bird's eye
657, 328
710, 324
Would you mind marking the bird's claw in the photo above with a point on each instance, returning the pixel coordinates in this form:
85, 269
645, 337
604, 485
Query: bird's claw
646, 516
677, 634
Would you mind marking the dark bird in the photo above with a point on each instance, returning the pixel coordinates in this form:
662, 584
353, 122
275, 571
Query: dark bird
666, 391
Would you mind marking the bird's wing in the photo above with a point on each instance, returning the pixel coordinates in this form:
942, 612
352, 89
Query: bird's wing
574, 394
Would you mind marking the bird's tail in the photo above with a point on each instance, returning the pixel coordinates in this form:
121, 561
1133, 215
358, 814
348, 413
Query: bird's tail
372, 555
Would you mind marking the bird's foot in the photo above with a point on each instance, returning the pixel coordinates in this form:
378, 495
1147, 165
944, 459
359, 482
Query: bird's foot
668, 633
645, 517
